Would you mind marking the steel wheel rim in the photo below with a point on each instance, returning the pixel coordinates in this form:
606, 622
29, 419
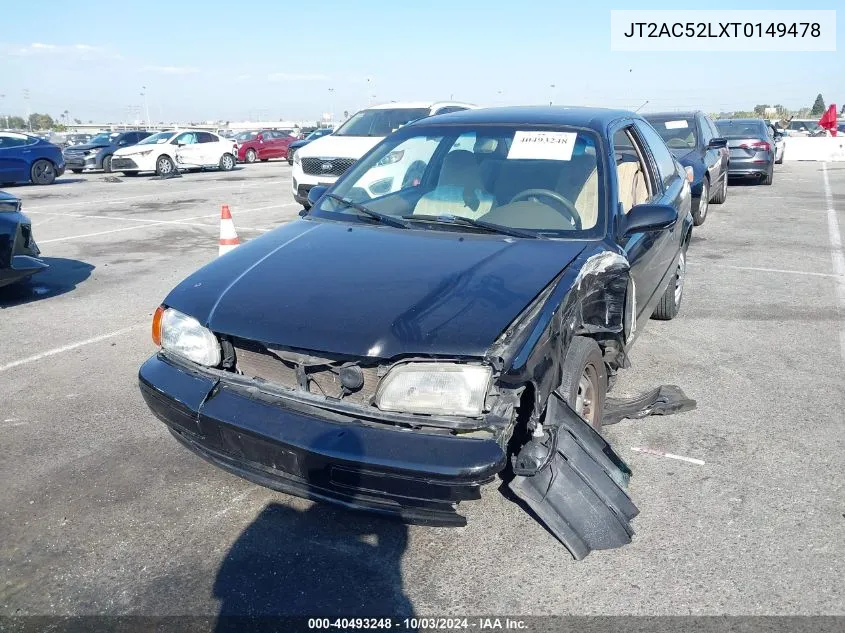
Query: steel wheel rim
164, 166
585, 399
680, 276
228, 162
250, 156
705, 200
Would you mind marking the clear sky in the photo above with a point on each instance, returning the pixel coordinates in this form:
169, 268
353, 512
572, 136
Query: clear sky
296, 60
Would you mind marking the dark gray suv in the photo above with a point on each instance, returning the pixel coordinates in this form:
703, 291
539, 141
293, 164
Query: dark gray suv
97, 153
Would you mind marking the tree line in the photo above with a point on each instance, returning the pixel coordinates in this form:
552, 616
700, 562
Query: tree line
762, 111
36, 121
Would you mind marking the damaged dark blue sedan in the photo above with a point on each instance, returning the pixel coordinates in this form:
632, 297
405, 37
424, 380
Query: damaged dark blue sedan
395, 352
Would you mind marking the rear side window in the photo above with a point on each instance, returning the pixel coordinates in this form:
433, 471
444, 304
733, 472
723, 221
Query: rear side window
662, 155
15, 140
206, 137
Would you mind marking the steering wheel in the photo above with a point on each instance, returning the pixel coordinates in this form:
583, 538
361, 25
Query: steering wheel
564, 206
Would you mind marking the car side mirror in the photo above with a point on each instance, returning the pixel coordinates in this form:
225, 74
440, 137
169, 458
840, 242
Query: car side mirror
718, 143
181, 144
315, 193
650, 217
303, 212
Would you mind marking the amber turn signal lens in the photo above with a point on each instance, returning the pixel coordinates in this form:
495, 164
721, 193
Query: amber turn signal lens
690, 174
157, 325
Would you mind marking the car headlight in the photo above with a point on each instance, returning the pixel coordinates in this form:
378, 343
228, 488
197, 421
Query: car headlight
91, 152
183, 335
445, 388
296, 158
393, 157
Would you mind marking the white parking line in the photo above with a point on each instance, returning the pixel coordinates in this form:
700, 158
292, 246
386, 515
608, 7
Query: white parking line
180, 221
836, 254
67, 348
163, 192
777, 270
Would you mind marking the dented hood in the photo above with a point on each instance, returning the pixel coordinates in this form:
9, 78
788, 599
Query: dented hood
378, 291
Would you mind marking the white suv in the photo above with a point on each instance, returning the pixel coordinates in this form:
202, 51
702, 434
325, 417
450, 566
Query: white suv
323, 161
164, 152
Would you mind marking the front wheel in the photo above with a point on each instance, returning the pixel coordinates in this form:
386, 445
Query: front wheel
250, 156
107, 164
700, 213
670, 302
227, 162
165, 166
290, 156
584, 380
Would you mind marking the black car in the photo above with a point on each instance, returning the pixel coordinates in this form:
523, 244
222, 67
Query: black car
395, 354
693, 139
97, 153
752, 146
18, 250
313, 136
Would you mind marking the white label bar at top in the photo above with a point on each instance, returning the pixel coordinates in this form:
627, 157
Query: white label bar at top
723, 30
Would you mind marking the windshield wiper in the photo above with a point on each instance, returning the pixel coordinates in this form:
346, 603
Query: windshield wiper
381, 217
478, 224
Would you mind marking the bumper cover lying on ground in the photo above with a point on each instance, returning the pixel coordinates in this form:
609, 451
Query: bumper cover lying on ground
289, 447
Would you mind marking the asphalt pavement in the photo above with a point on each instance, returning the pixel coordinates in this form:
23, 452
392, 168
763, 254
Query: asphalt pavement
102, 512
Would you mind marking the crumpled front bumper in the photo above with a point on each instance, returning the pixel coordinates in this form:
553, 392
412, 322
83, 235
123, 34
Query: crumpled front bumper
18, 250
294, 448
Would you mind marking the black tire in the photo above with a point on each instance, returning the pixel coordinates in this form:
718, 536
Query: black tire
130, 173
699, 214
250, 156
227, 162
76, 171
780, 160
584, 361
767, 179
43, 172
722, 194
107, 164
165, 166
670, 303
290, 156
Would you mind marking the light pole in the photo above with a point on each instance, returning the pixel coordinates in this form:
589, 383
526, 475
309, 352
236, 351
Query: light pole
146, 106
331, 104
26, 98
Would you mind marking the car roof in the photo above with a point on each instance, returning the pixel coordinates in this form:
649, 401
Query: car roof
595, 118
418, 104
743, 121
665, 115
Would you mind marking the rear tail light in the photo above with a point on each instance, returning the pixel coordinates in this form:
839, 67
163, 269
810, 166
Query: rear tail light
762, 146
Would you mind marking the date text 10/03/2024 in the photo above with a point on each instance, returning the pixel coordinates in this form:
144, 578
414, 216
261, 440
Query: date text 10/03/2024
426, 624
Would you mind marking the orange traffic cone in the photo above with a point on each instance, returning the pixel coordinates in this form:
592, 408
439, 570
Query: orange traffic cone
228, 237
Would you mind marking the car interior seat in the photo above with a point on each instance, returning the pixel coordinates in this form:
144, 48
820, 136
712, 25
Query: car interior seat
632, 184
459, 190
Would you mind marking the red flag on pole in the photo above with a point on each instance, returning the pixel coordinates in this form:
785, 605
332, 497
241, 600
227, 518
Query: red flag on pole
828, 120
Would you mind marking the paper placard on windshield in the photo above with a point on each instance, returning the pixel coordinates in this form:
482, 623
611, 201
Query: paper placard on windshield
676, 125
543, 145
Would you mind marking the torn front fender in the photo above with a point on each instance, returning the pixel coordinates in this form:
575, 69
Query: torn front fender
572, 479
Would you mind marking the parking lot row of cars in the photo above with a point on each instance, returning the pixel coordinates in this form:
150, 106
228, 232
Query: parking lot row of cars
30, 158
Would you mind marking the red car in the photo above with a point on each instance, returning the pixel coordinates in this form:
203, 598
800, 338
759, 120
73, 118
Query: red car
262, 145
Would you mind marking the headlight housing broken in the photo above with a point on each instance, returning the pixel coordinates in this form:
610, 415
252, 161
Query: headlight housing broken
183, 336
435, 388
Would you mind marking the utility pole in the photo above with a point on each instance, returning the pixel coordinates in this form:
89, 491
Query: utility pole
28, 113
146, 106
331, 104
552, 94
